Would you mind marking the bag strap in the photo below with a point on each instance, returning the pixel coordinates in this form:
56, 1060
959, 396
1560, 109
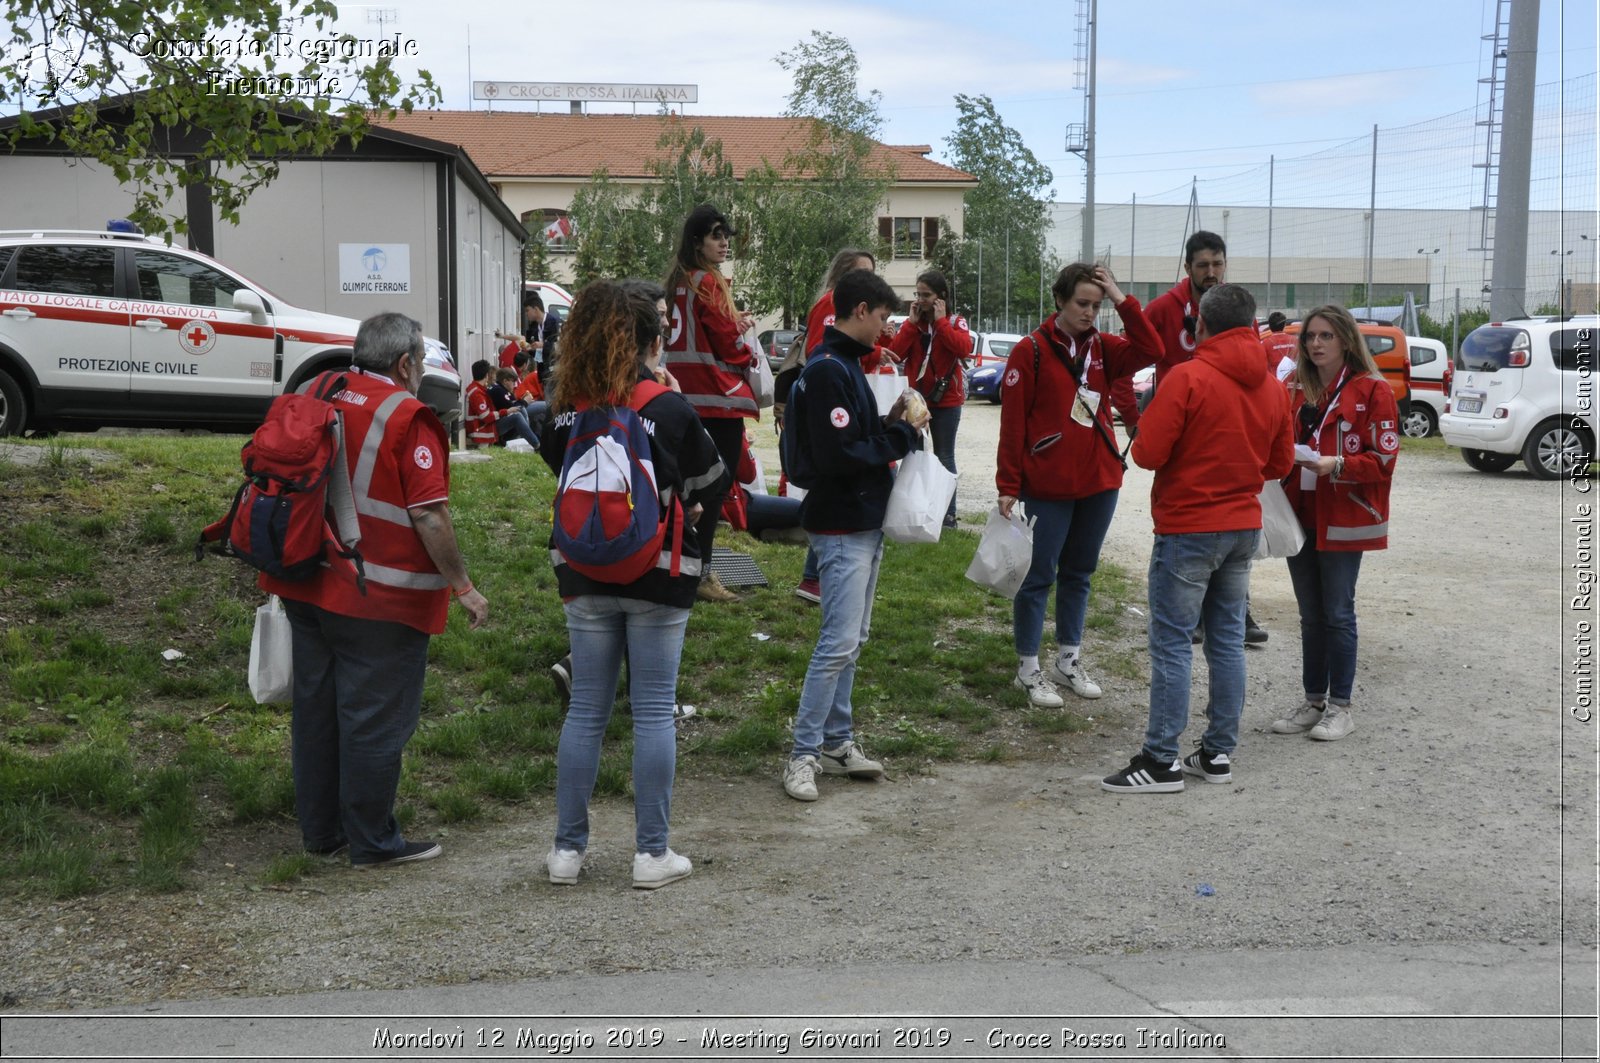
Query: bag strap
1120, 454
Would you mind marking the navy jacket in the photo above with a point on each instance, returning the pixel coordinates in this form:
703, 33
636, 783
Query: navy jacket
839, 448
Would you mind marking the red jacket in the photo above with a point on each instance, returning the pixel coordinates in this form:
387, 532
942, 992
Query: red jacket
1217, 429
933, 353
1280, 345
820, 318
407, 464
1043, 452
705, 352
481, 416
1352, 512
1166, 314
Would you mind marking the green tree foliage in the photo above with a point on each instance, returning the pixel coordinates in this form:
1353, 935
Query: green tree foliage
825, 193
1006, 218
612, 235
212, 91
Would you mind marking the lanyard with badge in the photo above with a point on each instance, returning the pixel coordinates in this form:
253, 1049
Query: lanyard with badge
1086, 401
1312, 421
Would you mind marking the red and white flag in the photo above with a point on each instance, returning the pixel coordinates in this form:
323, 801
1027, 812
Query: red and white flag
560, 229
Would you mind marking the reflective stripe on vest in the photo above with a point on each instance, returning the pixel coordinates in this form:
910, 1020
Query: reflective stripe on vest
1350, 535
361, 487
687, 566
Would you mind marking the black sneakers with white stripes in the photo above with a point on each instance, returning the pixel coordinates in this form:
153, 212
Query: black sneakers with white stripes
1145, 775
1212, 767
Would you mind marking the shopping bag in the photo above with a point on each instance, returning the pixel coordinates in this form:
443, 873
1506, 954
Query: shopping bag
1281, 533
886, 388
1005, 553
271, 655
759, 375
921, 497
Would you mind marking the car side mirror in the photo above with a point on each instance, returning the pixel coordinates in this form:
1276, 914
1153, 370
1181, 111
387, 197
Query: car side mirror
248, 301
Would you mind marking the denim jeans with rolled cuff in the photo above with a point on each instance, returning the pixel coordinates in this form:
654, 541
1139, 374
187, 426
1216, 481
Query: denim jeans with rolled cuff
1066, 550
1325, 589
848, 570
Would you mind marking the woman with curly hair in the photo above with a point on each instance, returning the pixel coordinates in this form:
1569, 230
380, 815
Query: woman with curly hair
610, 356
706, 354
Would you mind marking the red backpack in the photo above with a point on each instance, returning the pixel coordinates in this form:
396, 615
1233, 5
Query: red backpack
295, 474
608, 522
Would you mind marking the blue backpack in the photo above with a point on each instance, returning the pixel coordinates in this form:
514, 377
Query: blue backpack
608, 522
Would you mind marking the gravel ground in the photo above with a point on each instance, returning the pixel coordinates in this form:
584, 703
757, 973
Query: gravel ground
1461, 810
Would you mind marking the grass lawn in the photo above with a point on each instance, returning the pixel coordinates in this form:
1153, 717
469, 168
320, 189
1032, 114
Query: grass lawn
116, 762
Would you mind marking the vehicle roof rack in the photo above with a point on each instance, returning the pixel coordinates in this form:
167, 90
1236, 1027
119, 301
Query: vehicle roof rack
103, 234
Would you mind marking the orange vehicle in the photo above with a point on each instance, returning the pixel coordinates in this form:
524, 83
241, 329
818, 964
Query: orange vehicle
1388, 346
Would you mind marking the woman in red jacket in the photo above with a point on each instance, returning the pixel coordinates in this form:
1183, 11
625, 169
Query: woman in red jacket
707, 356
932, 345
1346, 414
1058, 456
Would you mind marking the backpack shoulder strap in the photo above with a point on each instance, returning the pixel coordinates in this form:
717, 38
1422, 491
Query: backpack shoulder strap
646, 392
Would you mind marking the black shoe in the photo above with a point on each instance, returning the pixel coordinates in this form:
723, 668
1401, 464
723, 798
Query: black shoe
410, 854
336, 849
562, 670
1145, 775
1212, 767
1254, 633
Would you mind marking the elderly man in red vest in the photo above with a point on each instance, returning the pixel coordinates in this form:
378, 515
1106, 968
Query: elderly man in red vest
360, 651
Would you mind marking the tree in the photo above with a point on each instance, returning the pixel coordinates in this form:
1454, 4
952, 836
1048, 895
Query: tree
824, 194
1006, 216
613, 236
206, 91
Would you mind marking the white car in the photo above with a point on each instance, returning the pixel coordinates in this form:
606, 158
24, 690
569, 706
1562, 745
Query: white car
1430, 370
1525, 389
110, 328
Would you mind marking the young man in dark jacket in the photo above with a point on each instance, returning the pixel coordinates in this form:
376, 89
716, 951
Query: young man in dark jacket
839, 450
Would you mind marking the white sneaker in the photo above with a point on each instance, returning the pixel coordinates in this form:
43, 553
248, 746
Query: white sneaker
1075, 679
653, 872
1301, 720
849, 759
1040, 693
563, 865
1334, 725
800, 778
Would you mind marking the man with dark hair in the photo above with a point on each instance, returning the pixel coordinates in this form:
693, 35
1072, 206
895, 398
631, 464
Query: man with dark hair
481, 416
839, 449
360, 653
1175, 315
1216, 431
1279, 345
540, 331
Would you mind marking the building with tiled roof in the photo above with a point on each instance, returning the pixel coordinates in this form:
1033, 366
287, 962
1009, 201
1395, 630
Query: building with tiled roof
537, 161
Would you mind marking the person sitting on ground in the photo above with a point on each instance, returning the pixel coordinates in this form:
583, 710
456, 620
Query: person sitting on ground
510, 416
481, 414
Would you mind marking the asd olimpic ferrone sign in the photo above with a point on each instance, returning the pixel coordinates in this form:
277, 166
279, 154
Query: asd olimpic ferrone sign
597, 92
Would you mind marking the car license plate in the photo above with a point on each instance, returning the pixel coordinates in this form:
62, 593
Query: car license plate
1470, 406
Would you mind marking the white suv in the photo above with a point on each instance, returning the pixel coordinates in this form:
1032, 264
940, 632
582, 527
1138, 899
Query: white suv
1525, 389
1429, 359
119, 329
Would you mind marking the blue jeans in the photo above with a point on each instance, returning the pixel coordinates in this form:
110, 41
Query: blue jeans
357, 697
600, 628
944, 420
513, 424
1066, 550
848, 569
1204, 575
1325, 588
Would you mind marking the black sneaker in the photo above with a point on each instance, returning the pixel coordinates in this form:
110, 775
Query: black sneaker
1145, 775
1212, 767
410, 854
562, 671
330, 850
1254, 633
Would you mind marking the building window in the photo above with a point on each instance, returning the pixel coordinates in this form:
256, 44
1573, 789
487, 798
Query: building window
909, 237
552, 226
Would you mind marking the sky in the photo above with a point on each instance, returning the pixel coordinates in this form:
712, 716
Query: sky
1184, 89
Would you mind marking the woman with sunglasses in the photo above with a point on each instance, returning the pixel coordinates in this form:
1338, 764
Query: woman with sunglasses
707, 356
1349, 430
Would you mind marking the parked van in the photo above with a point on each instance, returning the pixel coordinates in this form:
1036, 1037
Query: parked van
1392, 351
1430, 383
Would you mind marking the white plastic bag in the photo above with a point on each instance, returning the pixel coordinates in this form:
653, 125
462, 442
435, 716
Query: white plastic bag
1005, 553
921, 497
886, 388
271, 655
1281, 533
759, 375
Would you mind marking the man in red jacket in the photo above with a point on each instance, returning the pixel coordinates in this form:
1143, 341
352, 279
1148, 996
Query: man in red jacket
1216, 431
1175, 315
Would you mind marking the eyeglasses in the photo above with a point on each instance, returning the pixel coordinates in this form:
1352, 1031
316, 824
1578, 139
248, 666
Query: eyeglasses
1325, 337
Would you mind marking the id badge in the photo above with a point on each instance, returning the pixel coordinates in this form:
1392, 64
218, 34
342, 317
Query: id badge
1085, 406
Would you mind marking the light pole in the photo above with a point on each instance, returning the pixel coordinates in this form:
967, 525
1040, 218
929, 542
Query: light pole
1561, 280
1429, 282
1585, 237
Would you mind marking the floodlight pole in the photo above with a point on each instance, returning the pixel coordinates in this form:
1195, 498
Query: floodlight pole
1508, 289
1088, 138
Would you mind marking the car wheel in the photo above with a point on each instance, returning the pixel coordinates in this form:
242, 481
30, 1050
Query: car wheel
1488, 460
1555, 448
13, 408
1420, 422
